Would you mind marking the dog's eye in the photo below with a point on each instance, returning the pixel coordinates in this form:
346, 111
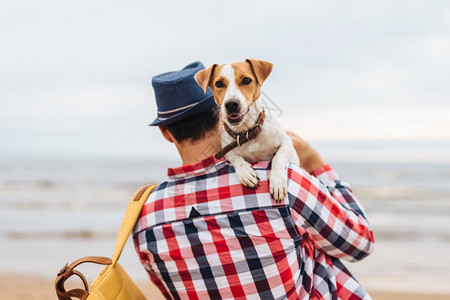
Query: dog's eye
246, 81
219, 84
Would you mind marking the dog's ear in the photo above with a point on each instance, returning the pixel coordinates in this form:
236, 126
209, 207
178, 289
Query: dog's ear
260, 68
203, 77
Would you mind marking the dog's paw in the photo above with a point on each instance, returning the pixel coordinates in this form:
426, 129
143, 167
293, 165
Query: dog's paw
247, 176
278, 186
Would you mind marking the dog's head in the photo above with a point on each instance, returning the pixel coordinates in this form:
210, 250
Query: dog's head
236, 86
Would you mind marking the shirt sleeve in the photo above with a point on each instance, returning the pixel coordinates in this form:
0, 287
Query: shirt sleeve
339, 189
325, 209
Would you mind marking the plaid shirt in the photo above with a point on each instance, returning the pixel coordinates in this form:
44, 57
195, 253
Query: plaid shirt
201, 234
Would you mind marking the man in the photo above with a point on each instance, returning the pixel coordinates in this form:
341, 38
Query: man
201, 234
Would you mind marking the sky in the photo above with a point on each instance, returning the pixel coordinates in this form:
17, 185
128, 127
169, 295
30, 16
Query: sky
360, 80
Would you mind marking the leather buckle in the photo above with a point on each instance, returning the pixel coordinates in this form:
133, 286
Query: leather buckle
254, 126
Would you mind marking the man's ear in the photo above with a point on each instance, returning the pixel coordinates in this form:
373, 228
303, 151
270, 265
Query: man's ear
166, 133
260, 68
203, 77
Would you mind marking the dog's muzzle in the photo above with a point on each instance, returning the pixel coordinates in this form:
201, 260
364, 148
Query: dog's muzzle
234, 115
232, 107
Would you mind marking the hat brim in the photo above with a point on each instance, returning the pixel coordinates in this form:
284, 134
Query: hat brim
202, 106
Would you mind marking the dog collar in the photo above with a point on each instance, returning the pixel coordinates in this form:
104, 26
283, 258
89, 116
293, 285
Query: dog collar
243, 137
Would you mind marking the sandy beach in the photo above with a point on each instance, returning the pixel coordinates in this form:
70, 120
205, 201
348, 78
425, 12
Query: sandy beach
17, 286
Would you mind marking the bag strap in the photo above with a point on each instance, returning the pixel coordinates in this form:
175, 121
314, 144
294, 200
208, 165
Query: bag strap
131, 215
68, 270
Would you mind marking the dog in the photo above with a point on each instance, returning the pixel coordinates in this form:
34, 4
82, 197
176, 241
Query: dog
237, 90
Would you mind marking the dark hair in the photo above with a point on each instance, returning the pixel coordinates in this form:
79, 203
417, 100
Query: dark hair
195, 127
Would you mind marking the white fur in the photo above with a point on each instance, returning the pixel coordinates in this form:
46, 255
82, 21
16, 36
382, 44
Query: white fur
233, 92
272, 143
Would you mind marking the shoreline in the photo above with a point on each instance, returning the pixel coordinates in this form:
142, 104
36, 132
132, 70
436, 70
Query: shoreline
15, 286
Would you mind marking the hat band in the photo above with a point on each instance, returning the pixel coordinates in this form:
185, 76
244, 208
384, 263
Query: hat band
166, 114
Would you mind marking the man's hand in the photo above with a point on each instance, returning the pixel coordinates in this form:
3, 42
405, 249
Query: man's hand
310, 159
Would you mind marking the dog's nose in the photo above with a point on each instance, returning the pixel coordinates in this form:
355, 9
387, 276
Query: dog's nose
232, 106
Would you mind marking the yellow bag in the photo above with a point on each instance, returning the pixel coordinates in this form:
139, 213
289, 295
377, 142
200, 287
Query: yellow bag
112, 282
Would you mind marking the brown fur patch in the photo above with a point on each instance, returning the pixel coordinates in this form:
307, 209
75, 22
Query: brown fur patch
203, 77
250, 91
219, 93
260, 68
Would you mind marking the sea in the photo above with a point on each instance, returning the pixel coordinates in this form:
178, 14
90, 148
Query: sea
54, 211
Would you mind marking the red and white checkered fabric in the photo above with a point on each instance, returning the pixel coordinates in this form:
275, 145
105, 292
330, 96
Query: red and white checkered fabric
201, 234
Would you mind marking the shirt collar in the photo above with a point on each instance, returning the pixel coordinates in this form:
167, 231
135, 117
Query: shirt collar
194, 169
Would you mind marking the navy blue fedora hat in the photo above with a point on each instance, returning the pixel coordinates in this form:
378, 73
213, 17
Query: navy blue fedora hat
178, 96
